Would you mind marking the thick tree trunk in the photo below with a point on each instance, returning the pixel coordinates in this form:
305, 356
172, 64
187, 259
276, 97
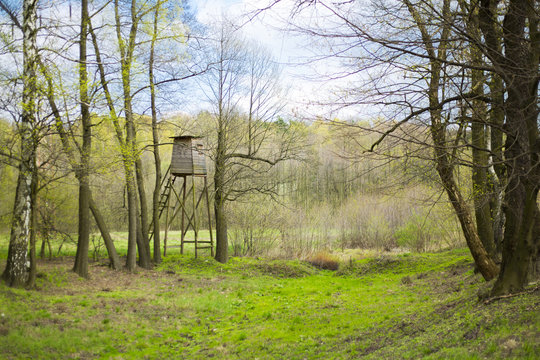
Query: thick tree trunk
519, 68
520, 244
15, 273
83, 173
222, 244
142, 232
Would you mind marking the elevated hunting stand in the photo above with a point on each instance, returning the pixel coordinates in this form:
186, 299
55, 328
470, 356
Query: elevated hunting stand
187, 160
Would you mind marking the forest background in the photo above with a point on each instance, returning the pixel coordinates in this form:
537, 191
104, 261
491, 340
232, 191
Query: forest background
457, 95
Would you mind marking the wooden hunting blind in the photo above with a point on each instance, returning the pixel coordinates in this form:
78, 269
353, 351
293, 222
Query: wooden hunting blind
187, 160
187, 156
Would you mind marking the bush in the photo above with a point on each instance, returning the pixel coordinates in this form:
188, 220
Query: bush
325, 261
415, 234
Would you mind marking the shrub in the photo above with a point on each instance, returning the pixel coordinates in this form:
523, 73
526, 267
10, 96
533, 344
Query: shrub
415, 234
324, 260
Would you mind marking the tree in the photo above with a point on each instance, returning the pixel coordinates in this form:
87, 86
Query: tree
133, 45
518, 67
155, 138
83, 173
126, 46
15, 273
243, 89
420, 41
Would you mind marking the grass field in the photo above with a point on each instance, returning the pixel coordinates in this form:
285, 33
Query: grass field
65, 246
389, 307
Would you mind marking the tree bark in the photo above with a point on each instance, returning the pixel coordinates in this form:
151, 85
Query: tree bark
31, 282
142, 247
483, 261
83, 173
155, 142
222, 244
518, 66
129, 146
15, 273
143, 244
482, 187
143, 218
443, 162
109, 244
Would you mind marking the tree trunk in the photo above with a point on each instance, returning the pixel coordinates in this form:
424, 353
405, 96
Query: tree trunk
109, 244
143, 218
31, 282
143, 248
483, 261
113, 256
497, 172
520, 244
155, 141
444, 165
222, 245
131, 260
518, 66
482, 189
83, 173
15, 273
129, 146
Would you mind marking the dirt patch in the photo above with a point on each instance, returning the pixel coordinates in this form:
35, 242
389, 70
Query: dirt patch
58, 277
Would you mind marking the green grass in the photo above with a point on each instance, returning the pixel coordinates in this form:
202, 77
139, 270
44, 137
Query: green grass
393, 307
65, 246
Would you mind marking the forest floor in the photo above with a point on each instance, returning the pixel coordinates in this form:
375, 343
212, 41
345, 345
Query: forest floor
406, 306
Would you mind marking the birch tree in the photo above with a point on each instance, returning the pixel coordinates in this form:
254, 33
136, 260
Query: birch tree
16, 272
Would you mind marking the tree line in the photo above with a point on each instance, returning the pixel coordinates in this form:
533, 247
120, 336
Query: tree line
456, 82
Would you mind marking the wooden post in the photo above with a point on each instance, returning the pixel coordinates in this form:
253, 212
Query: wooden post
195, 230
209, 218
167, 219
183, 231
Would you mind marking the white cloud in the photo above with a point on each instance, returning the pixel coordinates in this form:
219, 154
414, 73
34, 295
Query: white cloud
291, 50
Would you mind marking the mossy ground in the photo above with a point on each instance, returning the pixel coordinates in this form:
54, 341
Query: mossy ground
392, 307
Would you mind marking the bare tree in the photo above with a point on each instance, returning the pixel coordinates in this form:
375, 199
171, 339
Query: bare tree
83, 173
422, 43
243, 90
155, 138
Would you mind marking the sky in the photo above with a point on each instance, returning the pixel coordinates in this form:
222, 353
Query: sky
270, 29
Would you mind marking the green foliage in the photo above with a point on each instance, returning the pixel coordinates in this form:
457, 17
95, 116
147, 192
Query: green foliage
415, 234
